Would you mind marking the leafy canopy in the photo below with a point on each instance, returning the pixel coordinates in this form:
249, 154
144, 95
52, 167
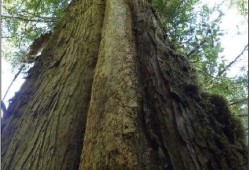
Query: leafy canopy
191, 27
26, 20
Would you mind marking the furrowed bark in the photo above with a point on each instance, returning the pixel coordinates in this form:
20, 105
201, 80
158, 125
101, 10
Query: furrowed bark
114, 138
45, 123
177, 118
171, 125
108, 93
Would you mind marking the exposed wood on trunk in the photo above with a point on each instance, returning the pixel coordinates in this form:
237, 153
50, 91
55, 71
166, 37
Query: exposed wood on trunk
114, 138
108, 88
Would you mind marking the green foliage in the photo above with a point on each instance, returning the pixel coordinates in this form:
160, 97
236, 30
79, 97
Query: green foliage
176, 16
227, 126
26, 20
192, 27
195, 30
241, 5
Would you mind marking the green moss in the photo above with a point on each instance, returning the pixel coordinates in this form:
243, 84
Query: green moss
221, 141
221, 110
193, 90
224, 122
238, 128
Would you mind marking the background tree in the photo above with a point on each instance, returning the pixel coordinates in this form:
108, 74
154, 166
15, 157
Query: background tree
155, 120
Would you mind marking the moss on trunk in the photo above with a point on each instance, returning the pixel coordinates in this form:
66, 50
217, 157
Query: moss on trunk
108, 93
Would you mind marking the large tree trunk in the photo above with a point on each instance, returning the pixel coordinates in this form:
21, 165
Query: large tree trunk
108, 93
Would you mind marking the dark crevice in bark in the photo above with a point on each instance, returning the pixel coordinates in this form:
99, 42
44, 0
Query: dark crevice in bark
47, 109
174, 119
173, 111
79, 137
149, 114
153, 132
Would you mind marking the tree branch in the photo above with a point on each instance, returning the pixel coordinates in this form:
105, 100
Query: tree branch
238, 101
196, 48
26, 18
200, 45
203, 72
243, 115
40, 17
232, 62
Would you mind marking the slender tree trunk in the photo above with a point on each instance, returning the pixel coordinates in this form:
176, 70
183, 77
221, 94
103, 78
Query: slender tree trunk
108, 93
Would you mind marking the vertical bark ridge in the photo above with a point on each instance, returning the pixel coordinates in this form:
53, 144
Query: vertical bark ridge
174, 113
114, 138
107, 64
45, 123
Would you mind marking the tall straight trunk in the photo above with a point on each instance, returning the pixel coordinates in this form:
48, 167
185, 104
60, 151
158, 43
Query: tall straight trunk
45, 123
108, 93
